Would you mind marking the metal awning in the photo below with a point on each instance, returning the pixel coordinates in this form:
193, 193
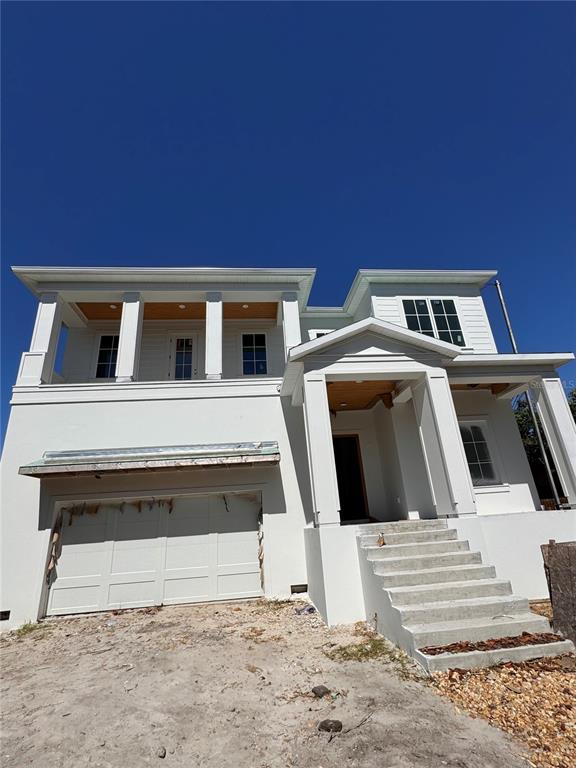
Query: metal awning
170, 457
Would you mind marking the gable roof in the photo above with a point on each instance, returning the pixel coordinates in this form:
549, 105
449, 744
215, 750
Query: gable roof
379, 327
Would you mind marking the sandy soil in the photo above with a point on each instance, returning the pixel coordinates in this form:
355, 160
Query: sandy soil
225, 686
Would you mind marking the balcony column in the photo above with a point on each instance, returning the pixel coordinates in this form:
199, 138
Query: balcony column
37, 365
290, 321
130, 337
444, 457
213, 335
320, 450
560, 430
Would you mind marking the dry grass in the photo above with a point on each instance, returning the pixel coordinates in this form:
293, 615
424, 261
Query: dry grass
534, 701
371, 647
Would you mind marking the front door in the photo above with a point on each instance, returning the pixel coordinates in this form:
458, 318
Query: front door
351, 489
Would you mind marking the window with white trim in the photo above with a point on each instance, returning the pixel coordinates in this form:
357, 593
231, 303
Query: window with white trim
434, 317
107, 356
254, 358
480, 462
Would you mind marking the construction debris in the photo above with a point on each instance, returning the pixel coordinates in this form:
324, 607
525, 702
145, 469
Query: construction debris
330, 726
560, 568
534, 701
464, 646
320, 691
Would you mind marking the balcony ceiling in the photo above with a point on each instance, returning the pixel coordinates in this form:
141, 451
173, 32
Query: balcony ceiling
359, 395
257, 310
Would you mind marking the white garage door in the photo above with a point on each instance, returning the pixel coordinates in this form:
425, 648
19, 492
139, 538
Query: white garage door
186, 550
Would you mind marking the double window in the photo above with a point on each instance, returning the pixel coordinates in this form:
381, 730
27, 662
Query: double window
254, 362
434, 317
107, 356
478, 456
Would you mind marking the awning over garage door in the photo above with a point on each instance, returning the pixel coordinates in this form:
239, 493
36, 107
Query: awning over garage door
172, 457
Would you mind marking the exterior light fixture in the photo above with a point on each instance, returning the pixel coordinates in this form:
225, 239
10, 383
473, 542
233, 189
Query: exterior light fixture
343, 405
181, 306
244, 306
113, 306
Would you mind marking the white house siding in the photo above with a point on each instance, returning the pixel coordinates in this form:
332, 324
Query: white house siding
387, 305
202, 413
81, 351
516, 492
155, 348
232, 346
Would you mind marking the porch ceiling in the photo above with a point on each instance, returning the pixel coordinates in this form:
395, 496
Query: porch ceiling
191, 310
496, 387
359, 395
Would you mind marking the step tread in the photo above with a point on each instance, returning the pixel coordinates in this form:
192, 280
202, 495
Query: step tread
465, 602
430, 557
410, 544
413, 588
423, 571
478, 622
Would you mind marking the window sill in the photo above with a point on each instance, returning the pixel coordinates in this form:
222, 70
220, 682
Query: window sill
498, 488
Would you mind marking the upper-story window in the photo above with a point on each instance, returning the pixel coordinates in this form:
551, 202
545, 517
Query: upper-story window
107, 355
434, 317
183, 362
254, 362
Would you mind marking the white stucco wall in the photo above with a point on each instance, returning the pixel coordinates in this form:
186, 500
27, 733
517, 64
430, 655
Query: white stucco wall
516, 492
203, 413
512, 544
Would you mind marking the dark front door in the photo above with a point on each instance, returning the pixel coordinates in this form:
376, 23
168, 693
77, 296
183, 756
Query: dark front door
350, 478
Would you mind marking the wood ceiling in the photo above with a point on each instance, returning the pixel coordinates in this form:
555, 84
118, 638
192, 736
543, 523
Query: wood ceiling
157, 310
359, 396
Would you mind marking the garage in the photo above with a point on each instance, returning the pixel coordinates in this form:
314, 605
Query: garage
115, 554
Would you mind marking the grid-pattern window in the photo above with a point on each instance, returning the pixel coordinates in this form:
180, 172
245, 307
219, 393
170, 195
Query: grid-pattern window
183, 359
254, 354
479, 461
447, 322
107, 356
418, 316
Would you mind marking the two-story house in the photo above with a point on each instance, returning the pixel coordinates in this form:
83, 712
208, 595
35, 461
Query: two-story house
208, 435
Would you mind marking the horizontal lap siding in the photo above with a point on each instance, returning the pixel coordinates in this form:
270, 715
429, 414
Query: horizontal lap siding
475, 325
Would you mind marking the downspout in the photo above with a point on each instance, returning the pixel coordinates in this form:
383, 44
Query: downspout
528, 398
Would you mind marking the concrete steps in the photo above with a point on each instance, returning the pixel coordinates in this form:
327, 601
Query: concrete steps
424, 587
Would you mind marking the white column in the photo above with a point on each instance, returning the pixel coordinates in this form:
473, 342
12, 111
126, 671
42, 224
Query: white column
290, 322
130, 337
560, 430
37, 365
444, 457
214, 335
320, 451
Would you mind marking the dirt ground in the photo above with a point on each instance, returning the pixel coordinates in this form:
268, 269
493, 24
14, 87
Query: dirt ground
227, 686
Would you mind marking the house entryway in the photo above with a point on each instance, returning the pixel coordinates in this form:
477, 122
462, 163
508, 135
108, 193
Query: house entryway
350, 475
130, 554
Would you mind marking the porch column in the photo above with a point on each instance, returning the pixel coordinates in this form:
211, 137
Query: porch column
444, 457
320, 450
37, 365
290, 322
130, 337
560, 431
214, 335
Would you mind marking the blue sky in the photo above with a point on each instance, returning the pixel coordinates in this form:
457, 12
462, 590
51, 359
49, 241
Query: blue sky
309, 134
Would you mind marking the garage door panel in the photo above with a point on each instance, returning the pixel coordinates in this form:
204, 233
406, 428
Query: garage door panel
75, 599
136, 556
132, 594
238, 585
195, 549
